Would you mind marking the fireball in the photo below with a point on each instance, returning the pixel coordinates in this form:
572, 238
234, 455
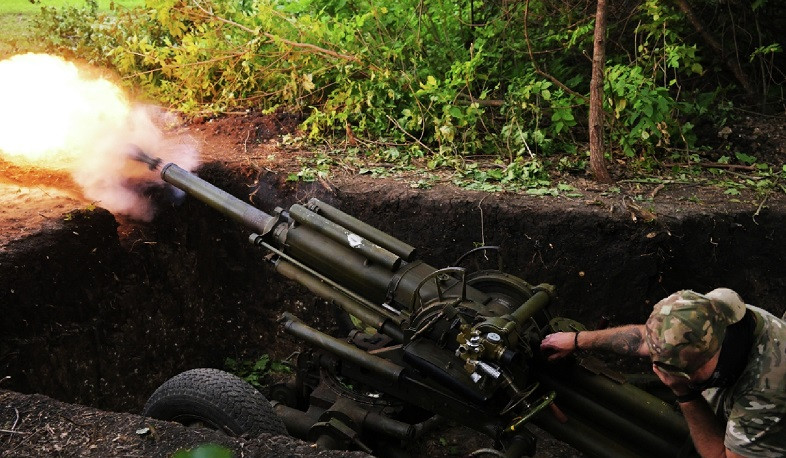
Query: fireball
51, 113
57, 116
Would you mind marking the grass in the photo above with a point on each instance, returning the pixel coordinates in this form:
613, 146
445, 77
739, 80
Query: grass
16, 34
26, 7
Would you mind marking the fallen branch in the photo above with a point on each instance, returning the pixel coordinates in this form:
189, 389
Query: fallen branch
657, 190
481, 102
417, 140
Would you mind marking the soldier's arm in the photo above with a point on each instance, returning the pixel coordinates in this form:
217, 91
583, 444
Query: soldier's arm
623, 340
706, 430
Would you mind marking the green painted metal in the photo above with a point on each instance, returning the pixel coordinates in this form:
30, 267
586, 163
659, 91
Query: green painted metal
385, 369
383, 239
628, 428
218, 199
468, 341
345, 237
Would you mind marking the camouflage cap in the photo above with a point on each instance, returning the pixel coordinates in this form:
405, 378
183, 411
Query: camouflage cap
686, 329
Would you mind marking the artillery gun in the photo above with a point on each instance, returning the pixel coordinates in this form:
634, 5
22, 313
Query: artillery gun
447, 343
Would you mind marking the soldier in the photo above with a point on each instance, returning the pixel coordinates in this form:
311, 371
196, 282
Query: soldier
724, 360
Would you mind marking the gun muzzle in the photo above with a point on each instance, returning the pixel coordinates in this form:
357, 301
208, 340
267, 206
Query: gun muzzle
136, 153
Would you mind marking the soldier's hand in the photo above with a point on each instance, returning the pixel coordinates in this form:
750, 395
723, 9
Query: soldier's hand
679, 384
558, 345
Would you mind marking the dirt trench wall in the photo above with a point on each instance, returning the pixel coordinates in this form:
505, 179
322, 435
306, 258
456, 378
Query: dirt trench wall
102, 320
603, 263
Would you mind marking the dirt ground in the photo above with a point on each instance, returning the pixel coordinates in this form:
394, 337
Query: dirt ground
42, 230
31, 197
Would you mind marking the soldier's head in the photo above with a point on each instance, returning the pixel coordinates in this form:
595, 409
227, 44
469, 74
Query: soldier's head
685, 330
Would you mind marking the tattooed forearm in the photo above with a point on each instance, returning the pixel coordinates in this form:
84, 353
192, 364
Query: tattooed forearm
625, 342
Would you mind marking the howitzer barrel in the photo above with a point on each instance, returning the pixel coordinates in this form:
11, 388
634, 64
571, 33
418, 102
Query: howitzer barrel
218, 198
362, 259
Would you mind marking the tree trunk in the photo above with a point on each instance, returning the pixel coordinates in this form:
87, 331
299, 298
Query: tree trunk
597, 160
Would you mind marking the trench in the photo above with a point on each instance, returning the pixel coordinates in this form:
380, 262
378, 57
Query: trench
99, 311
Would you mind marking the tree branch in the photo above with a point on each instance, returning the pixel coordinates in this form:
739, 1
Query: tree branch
733, 64
535, 64
270, 36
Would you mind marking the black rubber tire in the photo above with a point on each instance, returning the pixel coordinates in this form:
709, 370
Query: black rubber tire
216, 399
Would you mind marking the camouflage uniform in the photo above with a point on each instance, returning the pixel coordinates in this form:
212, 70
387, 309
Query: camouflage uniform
754, 408
685, 330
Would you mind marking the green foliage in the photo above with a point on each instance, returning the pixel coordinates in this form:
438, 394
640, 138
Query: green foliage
254, 372
642, 111
440, 81
205, 451
313, 169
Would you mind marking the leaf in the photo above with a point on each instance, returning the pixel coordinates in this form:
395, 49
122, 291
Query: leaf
745, 158
307, 82
205, 451
262, 363
621, 104
496, 174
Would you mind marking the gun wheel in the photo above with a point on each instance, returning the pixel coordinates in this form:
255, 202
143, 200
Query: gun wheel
214, 399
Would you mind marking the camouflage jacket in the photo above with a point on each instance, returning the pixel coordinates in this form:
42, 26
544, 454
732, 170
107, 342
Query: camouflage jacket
754, 408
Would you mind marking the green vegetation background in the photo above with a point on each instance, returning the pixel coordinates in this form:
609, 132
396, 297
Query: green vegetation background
495, 91
16, 18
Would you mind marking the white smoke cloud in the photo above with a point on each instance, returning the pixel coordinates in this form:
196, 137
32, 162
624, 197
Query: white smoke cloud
115, 181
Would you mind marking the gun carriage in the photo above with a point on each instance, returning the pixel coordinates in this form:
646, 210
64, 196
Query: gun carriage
436, 343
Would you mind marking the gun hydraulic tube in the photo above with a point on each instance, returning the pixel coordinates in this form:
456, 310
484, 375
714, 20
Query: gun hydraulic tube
367, 248
389, 371
218, 199
387, 241
365, 312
